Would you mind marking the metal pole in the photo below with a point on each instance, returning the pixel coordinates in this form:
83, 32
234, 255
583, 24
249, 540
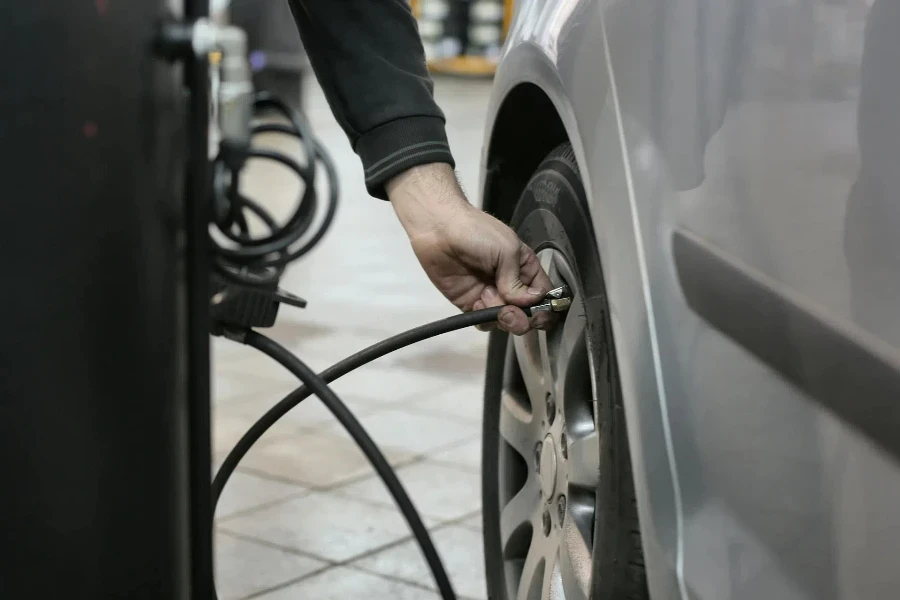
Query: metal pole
104, 390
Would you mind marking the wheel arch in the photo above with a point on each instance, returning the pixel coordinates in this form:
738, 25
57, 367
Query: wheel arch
515, 150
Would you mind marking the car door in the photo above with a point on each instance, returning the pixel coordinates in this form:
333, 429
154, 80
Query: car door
763, 153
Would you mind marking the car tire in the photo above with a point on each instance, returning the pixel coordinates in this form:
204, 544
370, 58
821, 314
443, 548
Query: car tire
560, 516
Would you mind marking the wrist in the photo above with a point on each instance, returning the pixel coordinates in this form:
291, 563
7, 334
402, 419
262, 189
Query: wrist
425, 197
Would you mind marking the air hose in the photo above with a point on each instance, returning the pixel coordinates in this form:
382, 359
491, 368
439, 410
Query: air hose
318, 385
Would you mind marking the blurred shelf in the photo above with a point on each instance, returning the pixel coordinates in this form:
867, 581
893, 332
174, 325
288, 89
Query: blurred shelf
471, 66
463, 37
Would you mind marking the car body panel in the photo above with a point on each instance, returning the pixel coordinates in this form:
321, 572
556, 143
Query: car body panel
741, 125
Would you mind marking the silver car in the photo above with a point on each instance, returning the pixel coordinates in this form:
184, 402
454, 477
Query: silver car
717, 417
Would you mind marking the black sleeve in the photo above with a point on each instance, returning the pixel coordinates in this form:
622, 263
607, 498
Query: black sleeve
368, 58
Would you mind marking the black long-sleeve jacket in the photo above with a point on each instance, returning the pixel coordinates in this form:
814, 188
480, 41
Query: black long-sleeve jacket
368, 58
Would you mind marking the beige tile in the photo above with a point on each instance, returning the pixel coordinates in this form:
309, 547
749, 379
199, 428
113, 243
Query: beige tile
407, 432
223, 350
259, 367
378, 382
244, 568
464, 456
311, 413
460, 355
323, 524
230, 386
459, 401
460, 549
310, 339
440, 492
475, 523
245, 492
319, 351
344, 584
316, 458
385, 384
229, 424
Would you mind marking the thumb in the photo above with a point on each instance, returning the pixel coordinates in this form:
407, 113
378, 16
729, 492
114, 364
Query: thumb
520, 278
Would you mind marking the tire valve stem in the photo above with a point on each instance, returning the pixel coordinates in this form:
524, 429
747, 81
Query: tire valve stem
557, 300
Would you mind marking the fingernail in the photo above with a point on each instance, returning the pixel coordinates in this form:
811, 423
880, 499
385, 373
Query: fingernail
535, 291
508, 318
490, 293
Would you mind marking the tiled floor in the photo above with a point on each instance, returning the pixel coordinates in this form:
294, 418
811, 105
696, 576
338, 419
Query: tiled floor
304, 517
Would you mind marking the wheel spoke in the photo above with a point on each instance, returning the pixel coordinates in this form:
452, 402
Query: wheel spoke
532, 578
571, 341
584, 461
575, 561
547, 378
553, 584
551, 266
517, 427
530, 357
518, 514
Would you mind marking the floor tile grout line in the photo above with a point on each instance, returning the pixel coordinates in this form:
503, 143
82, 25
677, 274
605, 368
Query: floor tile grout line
272, 389
419, 410
366, 411
337, 487
355, 557
334, 487
320, 426
395, 578
398, 464
288, 583
249, 470
273, 546
336, 490
409, 582
354, 562
389, 505
312, 426
264, 506
459, 467
391, 366
329, 564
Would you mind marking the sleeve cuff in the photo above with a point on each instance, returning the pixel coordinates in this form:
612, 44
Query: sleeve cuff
394, 147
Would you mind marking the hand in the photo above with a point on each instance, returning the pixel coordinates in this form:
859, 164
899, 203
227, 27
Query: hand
472, 258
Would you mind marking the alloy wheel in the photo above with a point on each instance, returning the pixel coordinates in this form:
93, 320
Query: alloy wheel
549, 454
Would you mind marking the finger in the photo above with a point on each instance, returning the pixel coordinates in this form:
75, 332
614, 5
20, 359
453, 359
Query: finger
510, 283
544, 320
513, 320
491, 297
531, 272
478, 305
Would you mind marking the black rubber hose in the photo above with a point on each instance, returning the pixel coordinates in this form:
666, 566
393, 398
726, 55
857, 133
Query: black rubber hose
417, 334
253, 249
365, 443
